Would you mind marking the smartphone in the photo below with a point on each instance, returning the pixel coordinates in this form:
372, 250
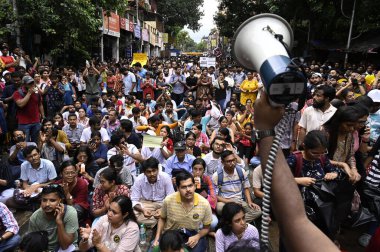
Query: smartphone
82, 168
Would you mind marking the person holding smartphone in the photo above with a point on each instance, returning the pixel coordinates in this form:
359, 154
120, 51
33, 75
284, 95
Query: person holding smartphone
59, 220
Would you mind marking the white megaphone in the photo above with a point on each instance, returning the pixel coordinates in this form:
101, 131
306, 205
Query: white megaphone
261, 43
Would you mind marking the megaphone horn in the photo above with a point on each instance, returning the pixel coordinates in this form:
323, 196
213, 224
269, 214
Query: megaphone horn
262, 43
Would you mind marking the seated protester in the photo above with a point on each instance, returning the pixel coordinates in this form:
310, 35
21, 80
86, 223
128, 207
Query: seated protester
163, 153
58, 219
73, 131
110, 122
66, 111
179, 161
98, 149
213, 160
51, 149
201, 139
126, 128
191, 149
371, 193
75, 189
232, 185
9, 238
35, 242
149, 191
310, 167
196, 118
6, 180
187, 212
170, 241
204, 187
110, 187
36, 173
85, 163
169, 115
137, 119
82, 118
16, 156
130, 153
117, 231
233, 227
48, 124
94, 126
245, 146
116, 163
257, 185
155, 124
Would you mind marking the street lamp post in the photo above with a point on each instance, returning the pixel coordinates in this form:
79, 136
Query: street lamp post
350, 33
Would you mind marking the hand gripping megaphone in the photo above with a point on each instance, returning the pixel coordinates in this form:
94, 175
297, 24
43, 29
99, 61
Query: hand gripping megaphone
261, 43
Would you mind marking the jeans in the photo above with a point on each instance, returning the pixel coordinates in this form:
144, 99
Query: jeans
11, 243
222, 104
200, 247
31, 131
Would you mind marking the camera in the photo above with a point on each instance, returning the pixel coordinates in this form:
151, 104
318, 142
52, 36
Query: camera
20, 139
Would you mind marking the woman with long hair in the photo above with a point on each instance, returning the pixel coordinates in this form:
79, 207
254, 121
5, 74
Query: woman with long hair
99, 149
223, 123
201, 139
75, 189
117, 231
110, 187
204, 187
191, 148
85, 163
233, 228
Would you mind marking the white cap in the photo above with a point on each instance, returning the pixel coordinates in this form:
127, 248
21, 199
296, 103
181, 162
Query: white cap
374, 95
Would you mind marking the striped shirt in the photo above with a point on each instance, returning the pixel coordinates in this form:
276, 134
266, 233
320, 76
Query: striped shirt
177, 217
8, 222
373, 177
231, 186
222, 242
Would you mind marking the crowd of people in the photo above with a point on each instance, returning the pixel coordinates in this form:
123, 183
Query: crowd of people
75, 154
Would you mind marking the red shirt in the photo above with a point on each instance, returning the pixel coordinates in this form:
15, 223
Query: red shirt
7, 60
148, 89
30, 113
79, 193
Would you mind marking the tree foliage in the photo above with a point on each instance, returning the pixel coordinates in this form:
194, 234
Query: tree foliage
6, 17
66, 26
184, 43
201, 46
179, 13
324, 16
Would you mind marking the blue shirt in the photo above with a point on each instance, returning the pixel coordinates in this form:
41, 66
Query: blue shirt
173, 163
189, 124
142, 74
178, 87
44, 173
374, 124
101, 152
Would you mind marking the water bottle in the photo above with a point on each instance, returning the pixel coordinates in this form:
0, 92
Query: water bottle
142, 234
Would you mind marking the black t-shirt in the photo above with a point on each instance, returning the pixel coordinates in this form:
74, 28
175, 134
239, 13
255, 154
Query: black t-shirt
134, 139
191, 81
220, 94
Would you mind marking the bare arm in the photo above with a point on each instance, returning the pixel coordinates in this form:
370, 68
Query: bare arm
289, 210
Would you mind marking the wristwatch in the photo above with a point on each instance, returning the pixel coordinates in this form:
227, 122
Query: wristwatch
265, 133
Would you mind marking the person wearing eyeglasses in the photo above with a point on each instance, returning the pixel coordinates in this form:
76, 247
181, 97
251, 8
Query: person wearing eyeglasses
310, 167
232, 185
75, 189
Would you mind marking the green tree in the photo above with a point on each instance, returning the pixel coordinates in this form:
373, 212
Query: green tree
231, 13
201, 46
6, 17
183, 42
179, 13
324, 17
69, 28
